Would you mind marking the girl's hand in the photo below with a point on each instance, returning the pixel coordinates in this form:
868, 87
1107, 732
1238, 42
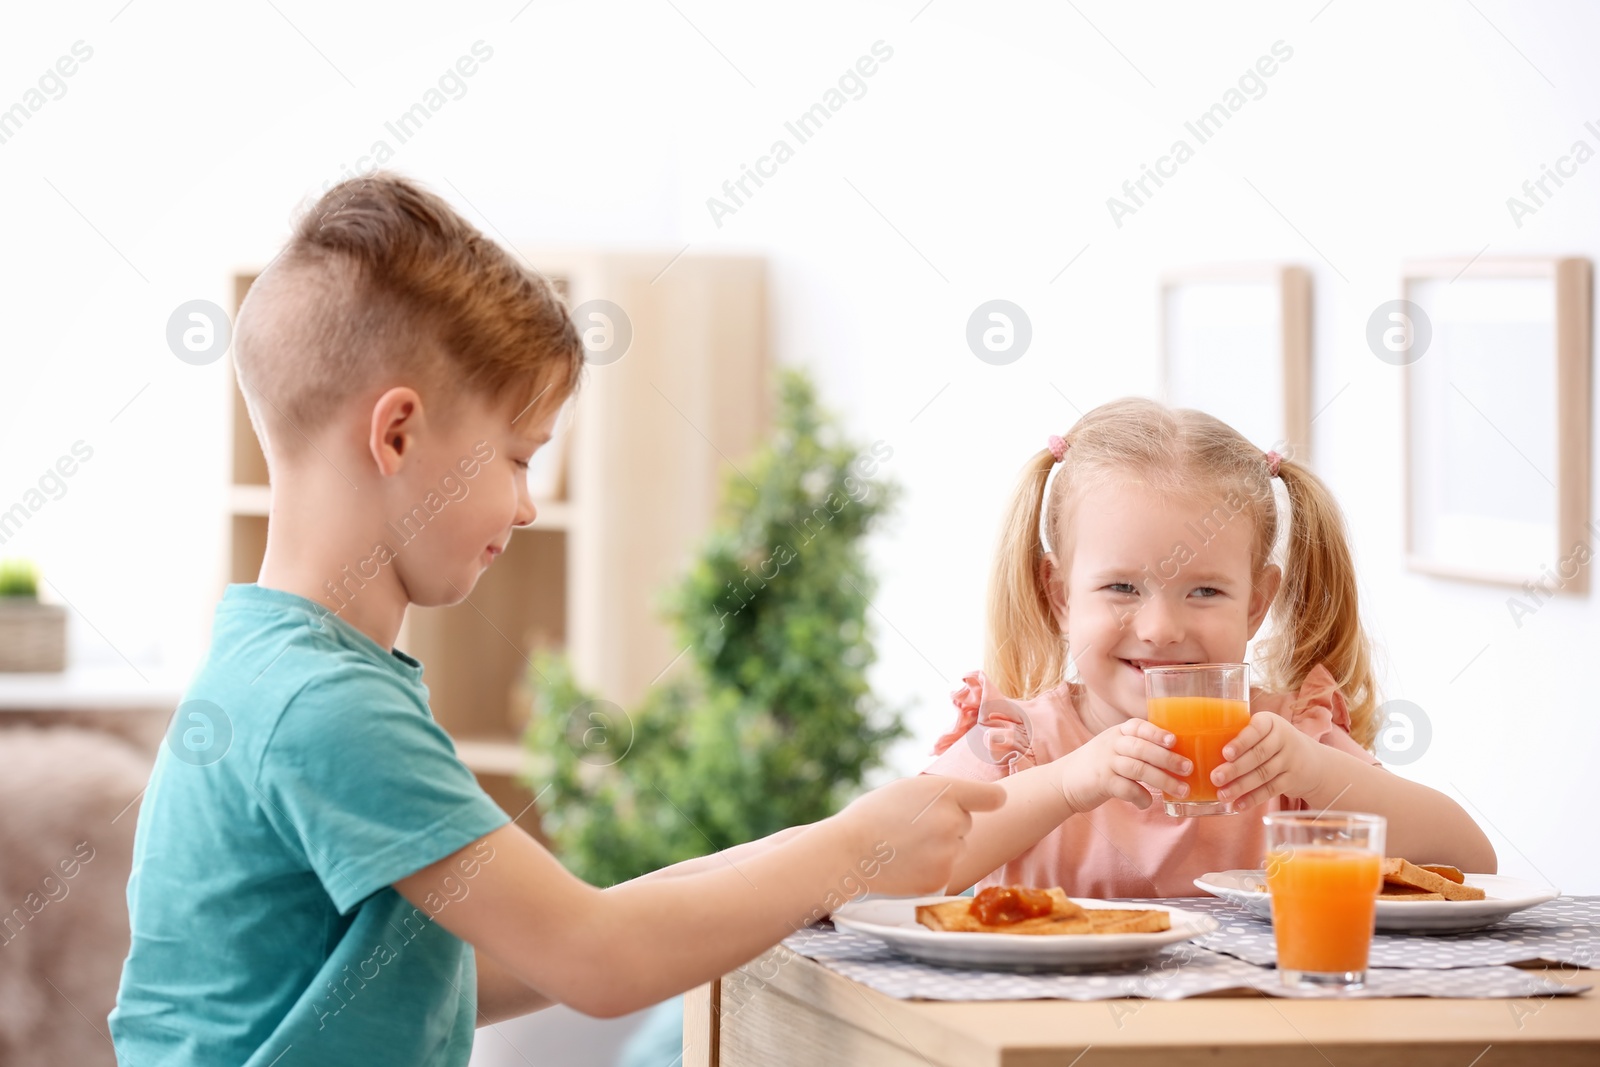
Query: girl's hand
1269, 757
1117, 761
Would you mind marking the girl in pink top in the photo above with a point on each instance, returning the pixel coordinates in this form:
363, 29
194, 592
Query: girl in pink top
1152, 545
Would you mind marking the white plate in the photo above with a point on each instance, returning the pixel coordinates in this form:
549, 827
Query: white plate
895, 921
1503, 896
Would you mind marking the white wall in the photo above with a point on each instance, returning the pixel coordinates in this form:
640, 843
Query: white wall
990, 141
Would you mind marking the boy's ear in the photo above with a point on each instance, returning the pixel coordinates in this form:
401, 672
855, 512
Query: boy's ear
1262, 596
1055, 588
396, 422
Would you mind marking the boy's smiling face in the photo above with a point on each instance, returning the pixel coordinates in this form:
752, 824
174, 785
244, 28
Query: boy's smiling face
1154, 580
471, 464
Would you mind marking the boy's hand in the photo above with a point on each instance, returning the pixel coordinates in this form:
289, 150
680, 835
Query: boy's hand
914, 827
1269, 757
1117, 761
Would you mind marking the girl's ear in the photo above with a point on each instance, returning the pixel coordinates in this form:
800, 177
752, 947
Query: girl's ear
1262, 596
1054, 580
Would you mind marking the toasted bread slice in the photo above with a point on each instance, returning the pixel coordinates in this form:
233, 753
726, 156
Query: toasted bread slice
1406, 892
956, 916
1402, 872
1128, 920
1445, 871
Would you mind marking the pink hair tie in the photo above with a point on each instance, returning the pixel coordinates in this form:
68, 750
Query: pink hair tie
1273, 459
1058, 447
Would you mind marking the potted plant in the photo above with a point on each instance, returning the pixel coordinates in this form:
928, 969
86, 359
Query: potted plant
33, 636
769, 721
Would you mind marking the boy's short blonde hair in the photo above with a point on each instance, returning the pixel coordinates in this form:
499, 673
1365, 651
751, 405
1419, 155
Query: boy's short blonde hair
381, 283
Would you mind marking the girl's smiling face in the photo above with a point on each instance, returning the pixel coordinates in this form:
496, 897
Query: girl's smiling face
1154, 580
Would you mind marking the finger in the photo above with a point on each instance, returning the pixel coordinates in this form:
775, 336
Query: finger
1163, 758
1149, 731
1257, 796
975, 796
1248, 759
1260, 727
1132, 792
1252, 781
960, 824
1138, 770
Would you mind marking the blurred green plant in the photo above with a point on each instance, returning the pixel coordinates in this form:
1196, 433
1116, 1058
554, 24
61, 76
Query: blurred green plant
770, 722
19, 578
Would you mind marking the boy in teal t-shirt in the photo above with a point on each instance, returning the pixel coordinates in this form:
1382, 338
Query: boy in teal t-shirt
313, 779
317, 878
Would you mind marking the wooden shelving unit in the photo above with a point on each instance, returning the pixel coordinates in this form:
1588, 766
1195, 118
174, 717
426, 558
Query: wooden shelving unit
649, 440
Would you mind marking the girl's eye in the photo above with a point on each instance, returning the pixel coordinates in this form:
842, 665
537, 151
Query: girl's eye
1206, 592
1125, 588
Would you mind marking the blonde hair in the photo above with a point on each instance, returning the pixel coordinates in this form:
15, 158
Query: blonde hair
1182, 453
382, 280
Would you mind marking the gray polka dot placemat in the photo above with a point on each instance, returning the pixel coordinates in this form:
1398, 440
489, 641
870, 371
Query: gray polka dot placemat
1564, 930
1182, 970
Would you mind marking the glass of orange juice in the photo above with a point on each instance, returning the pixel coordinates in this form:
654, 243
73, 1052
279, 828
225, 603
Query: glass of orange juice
1324, 873
1204, 705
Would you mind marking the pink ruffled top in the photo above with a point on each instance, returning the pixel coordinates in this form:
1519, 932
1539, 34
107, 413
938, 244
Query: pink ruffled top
1116, 850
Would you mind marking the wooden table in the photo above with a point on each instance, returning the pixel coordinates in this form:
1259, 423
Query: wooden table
782, 1009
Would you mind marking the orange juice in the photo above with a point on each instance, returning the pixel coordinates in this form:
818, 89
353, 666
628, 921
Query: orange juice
1202, 725
1324, 903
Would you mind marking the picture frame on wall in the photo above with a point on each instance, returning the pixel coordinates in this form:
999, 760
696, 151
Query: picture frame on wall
1495, 403
1236, 343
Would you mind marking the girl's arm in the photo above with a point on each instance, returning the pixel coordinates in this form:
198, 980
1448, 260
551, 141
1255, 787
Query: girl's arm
1422, 821
1112, 764
1270, 757
613, 951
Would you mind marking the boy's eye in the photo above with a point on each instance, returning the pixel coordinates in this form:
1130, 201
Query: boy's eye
1125, 588
1205, 592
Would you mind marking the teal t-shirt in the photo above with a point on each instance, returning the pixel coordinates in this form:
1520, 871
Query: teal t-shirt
303, 775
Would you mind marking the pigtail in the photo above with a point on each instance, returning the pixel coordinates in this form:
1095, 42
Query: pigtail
1318, 616
1024, 653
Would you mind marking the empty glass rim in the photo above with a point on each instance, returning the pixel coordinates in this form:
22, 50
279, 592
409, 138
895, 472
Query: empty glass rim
1180, 668
1307, 818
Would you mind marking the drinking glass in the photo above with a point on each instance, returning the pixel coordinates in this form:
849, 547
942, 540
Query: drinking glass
1324, 873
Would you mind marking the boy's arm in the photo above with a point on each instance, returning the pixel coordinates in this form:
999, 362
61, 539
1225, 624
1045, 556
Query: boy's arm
502, 995
610, 952
728, 855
